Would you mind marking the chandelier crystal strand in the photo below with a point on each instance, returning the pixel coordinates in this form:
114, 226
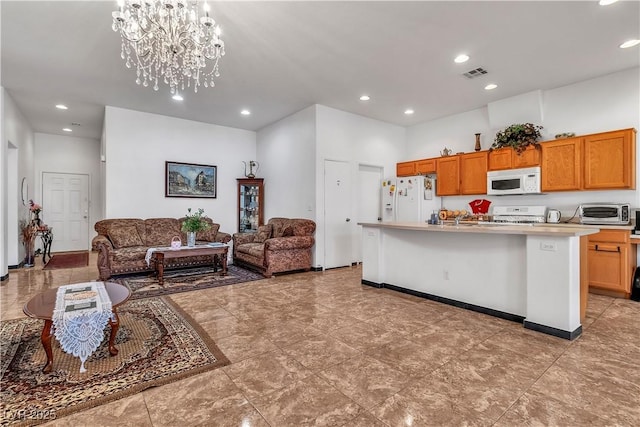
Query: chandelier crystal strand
170, 41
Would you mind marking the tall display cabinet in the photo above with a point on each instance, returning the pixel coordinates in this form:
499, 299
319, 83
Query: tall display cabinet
250, 204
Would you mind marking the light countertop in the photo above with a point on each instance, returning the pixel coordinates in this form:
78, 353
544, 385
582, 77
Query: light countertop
560, 230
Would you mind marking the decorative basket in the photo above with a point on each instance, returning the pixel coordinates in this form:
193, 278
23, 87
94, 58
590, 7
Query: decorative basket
176, 243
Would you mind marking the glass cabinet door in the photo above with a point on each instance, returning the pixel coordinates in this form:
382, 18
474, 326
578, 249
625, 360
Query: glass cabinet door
250, 204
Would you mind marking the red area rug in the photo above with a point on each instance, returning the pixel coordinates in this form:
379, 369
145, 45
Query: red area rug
72, 260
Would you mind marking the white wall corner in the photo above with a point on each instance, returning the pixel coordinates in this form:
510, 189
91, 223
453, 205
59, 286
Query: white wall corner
524, 108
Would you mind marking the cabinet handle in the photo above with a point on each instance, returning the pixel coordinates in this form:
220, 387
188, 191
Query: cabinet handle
608, 249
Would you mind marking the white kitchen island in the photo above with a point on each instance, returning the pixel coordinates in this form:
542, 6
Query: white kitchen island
519, 272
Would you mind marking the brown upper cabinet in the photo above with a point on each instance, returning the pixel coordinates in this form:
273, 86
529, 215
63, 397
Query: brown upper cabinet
609, 160
562, 165
462, 174
508, 158
473, 173
448, 182
601, 161
406, 168
426, 166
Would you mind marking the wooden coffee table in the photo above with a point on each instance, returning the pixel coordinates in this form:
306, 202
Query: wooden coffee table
218, 254
41, 307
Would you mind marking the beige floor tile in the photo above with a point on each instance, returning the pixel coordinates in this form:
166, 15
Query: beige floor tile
365, 380
615, 398
209, 399
535, 409
245, 345
308, 402
266, 373
128, 411
320, 352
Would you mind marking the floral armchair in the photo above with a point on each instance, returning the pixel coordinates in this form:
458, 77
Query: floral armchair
282, 245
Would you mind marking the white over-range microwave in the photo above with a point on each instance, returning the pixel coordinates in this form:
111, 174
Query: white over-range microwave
514, 181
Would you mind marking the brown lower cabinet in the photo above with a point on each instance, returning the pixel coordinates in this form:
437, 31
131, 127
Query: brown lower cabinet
611, 260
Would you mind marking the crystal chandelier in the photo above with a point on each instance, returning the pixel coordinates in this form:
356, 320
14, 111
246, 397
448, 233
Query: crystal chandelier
169, 40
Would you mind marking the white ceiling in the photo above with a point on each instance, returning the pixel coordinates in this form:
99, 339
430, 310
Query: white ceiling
285, 56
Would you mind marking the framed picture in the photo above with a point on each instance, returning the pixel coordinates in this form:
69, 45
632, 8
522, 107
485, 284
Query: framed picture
190, 180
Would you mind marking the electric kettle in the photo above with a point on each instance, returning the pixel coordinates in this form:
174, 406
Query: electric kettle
553, 216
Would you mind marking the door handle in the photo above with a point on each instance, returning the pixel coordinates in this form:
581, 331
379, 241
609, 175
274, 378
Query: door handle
348, 219
608, 249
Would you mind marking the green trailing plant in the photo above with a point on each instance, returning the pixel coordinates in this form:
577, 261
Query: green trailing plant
518, 137
194, 222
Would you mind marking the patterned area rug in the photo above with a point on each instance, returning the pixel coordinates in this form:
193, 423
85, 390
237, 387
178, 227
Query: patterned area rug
158, 343
184, 280
72, 260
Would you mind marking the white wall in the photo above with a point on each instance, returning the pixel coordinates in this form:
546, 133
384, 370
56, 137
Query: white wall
17, 133
65, 154
602, 104
357, 140
137, 145
286, 153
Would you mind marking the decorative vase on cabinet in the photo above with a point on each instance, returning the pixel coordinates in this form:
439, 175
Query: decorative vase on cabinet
250, 204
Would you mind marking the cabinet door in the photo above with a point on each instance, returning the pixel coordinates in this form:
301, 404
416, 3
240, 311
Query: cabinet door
406, 169
528, 158
426, 166
448, 182
473, 173
250, 204
500, 159
561, 168
607, 266
609, 160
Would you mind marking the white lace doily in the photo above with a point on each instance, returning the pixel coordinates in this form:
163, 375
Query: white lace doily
81, 313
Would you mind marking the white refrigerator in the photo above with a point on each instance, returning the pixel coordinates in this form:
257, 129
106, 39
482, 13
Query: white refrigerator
409, 199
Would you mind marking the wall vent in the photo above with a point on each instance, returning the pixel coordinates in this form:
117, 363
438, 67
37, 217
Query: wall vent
477, 72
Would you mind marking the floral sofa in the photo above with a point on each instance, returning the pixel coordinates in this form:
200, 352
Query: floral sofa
122, 243
281, 245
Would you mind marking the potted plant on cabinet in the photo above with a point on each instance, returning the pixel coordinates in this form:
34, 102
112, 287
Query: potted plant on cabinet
193, 223
518, 137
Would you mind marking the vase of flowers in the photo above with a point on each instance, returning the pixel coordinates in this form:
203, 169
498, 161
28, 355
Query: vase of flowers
35, 210
518, 137
193, 223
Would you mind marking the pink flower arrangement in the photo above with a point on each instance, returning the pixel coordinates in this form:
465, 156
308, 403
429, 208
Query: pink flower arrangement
34, 207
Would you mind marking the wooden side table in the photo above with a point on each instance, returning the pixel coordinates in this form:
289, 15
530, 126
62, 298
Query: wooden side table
41, 307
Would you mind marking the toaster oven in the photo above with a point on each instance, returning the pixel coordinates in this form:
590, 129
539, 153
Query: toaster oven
604, 213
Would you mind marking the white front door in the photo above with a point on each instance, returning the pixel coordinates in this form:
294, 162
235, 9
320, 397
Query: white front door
369, 201
337, 211
65, 209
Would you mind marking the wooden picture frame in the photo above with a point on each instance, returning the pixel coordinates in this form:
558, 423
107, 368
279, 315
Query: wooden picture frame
190, 180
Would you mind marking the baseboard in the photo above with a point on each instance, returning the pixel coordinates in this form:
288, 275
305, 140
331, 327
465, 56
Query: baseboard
15, 267
5, 277
317, 268
568, 335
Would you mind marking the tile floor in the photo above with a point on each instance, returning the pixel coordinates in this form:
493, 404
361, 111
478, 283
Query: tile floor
321, 349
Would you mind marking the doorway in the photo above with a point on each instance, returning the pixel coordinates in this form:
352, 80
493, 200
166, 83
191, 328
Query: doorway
65, 201
369, 201
337, 214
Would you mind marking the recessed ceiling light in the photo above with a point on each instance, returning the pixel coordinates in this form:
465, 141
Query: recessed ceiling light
461, 58
408, 111
62, 107
365, 98
245, 112
67, 130
490, 86
630, 43
177, 97
606, 2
